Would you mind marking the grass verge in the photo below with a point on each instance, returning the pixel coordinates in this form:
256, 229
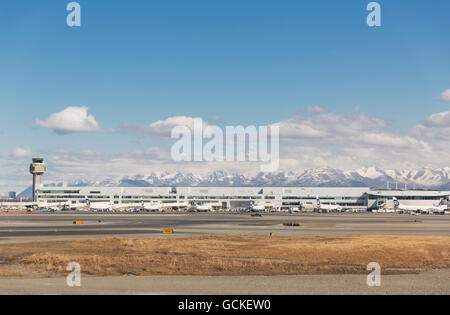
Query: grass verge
230, 255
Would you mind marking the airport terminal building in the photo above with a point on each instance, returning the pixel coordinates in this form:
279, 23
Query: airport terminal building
225, 198
384, 197
228, 198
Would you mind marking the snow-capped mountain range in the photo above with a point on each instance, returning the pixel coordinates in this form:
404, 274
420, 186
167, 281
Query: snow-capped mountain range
426, 178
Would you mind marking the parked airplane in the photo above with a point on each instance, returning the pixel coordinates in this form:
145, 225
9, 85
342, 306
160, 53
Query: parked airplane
76, 206
102, 206
420, 208
203, 208
254, 207
327, 208
109, 206
48, 206
153, 207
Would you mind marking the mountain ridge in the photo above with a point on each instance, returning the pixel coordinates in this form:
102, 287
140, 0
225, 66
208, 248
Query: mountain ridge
373, 177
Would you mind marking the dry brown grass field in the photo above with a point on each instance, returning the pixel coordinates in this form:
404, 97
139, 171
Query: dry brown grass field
227, 255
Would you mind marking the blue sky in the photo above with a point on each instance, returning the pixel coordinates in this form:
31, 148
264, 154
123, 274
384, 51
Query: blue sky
250, 62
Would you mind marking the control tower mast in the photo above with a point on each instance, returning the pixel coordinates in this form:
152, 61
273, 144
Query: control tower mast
37, 169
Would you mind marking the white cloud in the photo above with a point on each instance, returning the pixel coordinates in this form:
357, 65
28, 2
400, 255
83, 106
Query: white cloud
319, 139
70, 120
314, 109
64, 166
439, 120
436, 126
152, 153
293, 128
328, 125
349, 141
445, 96
432, 133
316, 140
162, 128
393, 141
21, 152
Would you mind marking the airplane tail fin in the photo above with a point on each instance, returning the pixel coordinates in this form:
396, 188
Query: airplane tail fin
396, 202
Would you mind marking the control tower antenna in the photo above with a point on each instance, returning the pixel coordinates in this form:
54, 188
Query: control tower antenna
37, 169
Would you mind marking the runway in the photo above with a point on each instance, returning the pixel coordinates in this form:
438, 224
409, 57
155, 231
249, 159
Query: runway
19, 227
23, 228
433, 282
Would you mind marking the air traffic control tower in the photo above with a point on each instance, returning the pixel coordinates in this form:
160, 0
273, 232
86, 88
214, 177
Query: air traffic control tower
37, 169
